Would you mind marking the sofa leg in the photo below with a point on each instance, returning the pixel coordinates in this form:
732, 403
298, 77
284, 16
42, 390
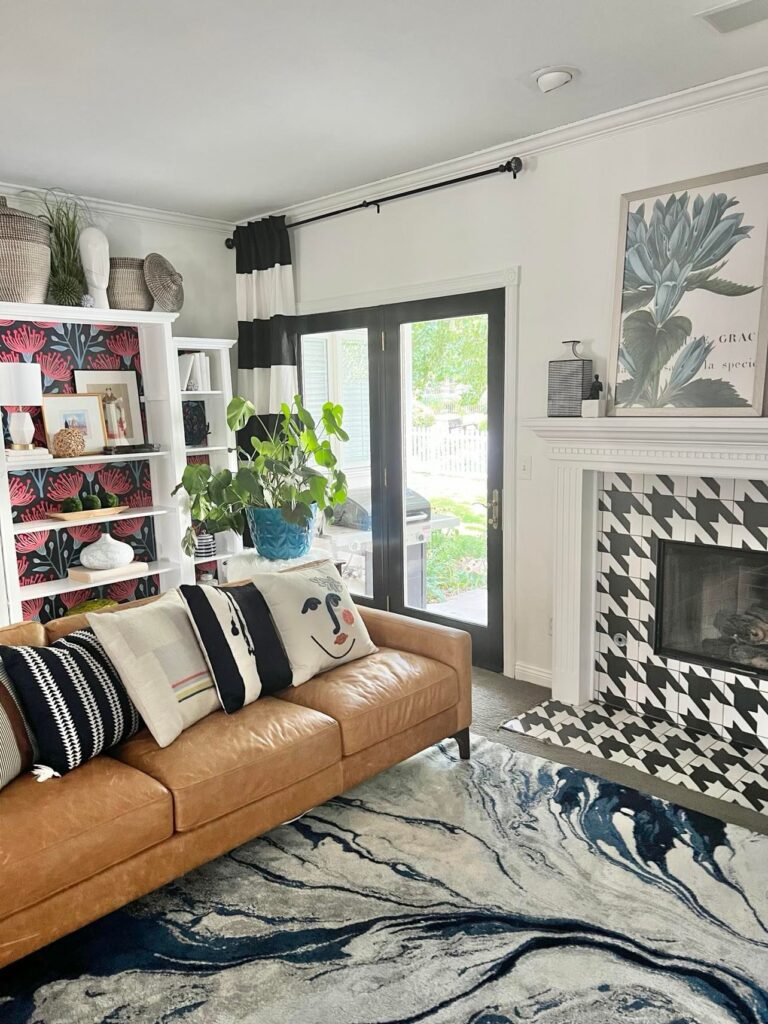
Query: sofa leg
462, 738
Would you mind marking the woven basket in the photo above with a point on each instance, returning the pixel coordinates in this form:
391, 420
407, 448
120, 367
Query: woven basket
127, 288
25, 256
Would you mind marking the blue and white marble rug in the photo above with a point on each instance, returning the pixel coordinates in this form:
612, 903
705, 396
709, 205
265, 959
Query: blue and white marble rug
507, 889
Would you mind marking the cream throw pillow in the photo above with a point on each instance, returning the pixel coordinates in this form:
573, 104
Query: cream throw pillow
317, 620
160, 663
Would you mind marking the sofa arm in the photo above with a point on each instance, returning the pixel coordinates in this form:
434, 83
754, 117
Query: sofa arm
440, 643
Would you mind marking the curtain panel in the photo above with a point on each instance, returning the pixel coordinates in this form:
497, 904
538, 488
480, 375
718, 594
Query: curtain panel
266, 342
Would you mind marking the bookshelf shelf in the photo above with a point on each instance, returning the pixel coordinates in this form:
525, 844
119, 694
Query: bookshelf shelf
67, 586
39, 525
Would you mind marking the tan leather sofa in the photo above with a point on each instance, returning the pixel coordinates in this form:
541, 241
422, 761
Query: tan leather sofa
76, 848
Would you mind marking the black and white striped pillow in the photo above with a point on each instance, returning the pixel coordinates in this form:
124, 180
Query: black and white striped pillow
72, 697
17, 741
241, 645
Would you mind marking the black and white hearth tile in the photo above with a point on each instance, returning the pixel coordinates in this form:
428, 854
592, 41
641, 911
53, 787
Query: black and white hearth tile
713, 523
662, 483
622, 482
696, 761
703, 777
751, 790
667, 516
750, 492
711, 487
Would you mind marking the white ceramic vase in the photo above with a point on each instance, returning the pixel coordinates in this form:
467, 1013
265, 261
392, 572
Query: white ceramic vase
106, 553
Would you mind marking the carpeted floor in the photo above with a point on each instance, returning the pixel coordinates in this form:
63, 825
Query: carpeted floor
501, 890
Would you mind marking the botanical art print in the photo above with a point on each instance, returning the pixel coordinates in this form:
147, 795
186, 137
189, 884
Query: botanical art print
691, 332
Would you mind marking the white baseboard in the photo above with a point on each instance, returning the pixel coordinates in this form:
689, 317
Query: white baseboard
533, 674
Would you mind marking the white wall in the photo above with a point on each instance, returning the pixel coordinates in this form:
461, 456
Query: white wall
559, 223
195, 247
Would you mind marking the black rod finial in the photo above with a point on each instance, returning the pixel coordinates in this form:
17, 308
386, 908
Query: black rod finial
230, 243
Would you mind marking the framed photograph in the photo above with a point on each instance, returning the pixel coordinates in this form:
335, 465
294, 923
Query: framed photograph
690, 327
119, 394
83, 412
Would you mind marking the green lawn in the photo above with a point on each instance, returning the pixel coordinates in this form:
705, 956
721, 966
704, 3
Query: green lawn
456, 559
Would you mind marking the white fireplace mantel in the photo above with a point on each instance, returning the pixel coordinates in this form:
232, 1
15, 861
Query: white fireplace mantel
583, 448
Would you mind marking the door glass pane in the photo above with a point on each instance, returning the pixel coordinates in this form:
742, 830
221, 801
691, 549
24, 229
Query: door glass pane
335, 369
444, 376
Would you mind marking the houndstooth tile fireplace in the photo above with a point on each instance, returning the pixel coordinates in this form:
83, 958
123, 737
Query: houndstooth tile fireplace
682, 601
670, 516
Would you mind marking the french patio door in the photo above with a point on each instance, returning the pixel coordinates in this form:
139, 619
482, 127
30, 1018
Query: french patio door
422, 386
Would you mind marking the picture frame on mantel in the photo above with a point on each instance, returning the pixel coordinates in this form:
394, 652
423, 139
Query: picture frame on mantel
690, 321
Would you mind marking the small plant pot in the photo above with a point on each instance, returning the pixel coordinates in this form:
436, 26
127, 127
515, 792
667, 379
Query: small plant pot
275, 538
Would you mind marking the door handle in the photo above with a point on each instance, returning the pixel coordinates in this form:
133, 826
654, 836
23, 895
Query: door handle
494, 509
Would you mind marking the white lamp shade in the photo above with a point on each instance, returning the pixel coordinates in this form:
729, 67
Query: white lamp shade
20, 384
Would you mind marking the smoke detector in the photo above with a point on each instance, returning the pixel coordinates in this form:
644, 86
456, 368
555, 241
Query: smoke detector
549, 79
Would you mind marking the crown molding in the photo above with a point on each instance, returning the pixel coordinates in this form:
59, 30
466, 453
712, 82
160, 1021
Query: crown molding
110, 208
680, 445
724, 90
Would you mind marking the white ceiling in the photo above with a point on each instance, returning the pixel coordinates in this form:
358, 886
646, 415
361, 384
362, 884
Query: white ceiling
235, 107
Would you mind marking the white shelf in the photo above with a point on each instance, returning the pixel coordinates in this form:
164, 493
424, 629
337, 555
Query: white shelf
189, 395
37, 525
85, 460
203, 344
66, 586
205, 449
39, 312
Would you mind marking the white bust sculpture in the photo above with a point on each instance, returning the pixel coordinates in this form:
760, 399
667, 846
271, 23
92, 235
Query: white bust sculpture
94, 255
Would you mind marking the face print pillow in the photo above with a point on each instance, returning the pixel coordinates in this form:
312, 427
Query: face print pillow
318, 623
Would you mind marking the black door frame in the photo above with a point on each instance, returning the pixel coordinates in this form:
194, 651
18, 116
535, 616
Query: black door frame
383, 325
488, 640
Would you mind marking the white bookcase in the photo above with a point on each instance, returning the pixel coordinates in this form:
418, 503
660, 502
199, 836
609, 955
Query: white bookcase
221, 447
165, 427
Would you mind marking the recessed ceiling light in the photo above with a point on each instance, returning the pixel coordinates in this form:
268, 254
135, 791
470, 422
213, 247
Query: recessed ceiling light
729, 17
549, 79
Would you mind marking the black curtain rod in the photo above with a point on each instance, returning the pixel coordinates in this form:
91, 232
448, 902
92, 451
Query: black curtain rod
512, 166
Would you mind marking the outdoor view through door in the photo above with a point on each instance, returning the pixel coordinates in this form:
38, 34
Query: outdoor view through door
421, 384
444, 381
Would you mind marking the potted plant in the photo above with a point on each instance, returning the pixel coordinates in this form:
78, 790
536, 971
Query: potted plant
280, 485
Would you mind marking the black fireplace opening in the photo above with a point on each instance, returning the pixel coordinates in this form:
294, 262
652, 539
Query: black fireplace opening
712, 606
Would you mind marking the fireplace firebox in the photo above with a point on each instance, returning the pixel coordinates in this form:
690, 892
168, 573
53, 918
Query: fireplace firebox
712, 605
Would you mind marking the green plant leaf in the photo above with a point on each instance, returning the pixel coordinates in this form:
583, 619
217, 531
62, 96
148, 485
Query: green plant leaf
239, 411
635, 299
720, 286
195, 478
650, 346
708, 393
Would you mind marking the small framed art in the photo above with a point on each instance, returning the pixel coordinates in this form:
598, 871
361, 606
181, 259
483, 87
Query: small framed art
118, 391
81, 412
690, 330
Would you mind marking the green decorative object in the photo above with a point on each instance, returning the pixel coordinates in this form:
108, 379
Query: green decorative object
108, 499
91, 501
72, 505
293, 474
95, 604
65, 215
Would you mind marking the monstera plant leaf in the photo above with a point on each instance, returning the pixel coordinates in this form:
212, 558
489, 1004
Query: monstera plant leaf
707, 393
650, 346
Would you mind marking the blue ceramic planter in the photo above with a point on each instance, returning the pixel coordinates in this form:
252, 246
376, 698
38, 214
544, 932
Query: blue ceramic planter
275, 538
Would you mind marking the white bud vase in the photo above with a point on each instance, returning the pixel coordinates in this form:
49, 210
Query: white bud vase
106, 553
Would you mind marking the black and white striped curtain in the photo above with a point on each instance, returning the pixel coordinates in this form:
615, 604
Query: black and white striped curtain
266, 346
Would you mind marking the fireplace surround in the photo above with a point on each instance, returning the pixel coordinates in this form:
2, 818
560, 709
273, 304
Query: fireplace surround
622, 485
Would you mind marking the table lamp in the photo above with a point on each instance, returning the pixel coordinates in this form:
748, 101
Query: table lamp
20, 384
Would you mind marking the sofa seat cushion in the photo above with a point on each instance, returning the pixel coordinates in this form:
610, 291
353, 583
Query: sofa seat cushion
379, 696
228, 761
55, 834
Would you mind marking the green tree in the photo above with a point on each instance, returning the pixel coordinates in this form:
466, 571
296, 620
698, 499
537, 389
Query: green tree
451, 352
